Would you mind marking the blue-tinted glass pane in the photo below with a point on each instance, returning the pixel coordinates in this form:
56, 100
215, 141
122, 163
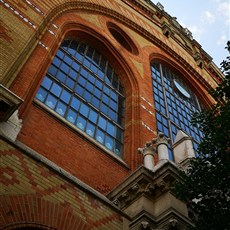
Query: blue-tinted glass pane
93, 116
56, 61
81, 122
52, 70
41, 94
76, 66
75, 103
93, 68
70, 83
56, 89
87, 96
104, 108
65, 96
90, 129
46, 83
61, 108
112, 115
68, 60
73, 74
84, 109
71, 116
61, 76
64, 68
51, 101
109, 143
95, 102
100, 136
97, 93
82, 80
79, 90
89, 87
102, 123
118, 148
86, 63
99, 84
105, 98
60, 54
111, 129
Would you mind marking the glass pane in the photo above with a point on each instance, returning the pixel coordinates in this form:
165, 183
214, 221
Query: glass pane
61, 76
102, 123
41, 94
64, 68
71, 116
61, 108
81, 122
93, 116
118, 149
65, 96
70, 83
109, 142
73, 74
75, 103
119, 134
56, 89
56, 61
52, 70
51, 101
95, 102
111, 129
46, 83
90, 129
84, 109
76, 66
100, 136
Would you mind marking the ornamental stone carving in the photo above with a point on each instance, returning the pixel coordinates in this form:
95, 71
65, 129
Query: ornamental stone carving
148, 153
161, 143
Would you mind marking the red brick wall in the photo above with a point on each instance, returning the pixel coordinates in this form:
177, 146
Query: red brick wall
34, 195
45, 134
68, 149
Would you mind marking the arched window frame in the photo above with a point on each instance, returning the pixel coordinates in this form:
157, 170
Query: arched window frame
174, 102
109, 125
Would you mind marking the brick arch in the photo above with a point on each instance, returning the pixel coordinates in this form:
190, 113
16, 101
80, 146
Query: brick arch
196, 82
31, 212
31, 75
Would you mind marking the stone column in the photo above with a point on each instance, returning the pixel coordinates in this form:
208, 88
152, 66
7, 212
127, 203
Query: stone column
162, 146
148, 153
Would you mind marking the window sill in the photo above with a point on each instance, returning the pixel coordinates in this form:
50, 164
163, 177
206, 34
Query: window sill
78, 131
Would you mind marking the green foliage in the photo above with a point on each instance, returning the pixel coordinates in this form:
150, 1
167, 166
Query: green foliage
205, 186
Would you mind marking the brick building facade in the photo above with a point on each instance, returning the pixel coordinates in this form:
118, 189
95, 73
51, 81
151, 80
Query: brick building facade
82, 88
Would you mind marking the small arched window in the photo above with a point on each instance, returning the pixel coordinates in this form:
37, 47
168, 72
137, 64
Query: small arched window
82, 87
175, 102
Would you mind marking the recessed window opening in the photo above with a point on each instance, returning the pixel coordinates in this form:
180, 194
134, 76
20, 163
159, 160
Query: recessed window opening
82, 87
122, 38
175, 102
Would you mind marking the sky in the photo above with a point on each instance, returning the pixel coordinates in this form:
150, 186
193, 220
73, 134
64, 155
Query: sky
208, 20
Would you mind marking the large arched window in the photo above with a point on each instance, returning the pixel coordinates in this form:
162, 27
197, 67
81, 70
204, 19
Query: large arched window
82, 87
175, 103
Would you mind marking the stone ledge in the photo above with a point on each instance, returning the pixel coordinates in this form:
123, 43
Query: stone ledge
63, 173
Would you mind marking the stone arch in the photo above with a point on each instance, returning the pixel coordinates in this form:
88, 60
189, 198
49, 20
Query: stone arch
31, 212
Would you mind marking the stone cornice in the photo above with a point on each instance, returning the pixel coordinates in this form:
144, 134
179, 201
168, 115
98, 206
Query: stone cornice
144, 182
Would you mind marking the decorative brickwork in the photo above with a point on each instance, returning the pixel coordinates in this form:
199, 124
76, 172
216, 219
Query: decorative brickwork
31, 192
